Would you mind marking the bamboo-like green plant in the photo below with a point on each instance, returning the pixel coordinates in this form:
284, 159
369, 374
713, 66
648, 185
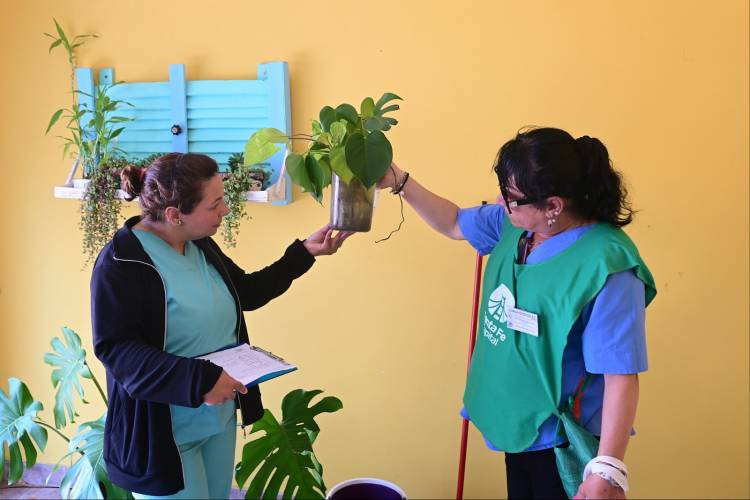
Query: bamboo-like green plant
70, 45
283, 456
91, 134
91, 131
347, 142
22, 427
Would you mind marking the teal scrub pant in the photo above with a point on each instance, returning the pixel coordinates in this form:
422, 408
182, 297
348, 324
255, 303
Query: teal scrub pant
208, 466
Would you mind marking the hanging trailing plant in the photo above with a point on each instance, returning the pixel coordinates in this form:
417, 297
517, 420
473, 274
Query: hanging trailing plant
236, 184
146, 160
240, 179
100, 210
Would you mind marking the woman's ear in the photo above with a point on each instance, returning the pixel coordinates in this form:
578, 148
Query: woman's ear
173, 216
555, 206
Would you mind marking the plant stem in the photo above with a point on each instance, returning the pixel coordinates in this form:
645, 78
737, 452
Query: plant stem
96, 382
40, 422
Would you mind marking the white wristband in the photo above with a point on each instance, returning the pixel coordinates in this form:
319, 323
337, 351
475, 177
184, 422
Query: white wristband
609, 468
614, 462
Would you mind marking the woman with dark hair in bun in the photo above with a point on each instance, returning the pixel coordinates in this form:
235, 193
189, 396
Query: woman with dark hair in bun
562, 320
163, 293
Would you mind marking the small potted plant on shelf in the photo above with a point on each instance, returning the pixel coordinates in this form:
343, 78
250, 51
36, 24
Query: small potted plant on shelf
347, 149
146, 160
240, 179
92, 130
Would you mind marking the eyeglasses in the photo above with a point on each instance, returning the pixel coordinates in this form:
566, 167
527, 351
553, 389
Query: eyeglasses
510, 205
519, 202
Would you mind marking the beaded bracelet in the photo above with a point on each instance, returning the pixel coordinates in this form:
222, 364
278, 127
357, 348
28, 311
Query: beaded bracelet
401, 186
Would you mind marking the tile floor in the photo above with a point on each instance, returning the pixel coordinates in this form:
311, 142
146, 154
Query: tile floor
32, 484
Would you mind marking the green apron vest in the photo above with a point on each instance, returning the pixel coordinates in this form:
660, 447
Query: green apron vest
515, 379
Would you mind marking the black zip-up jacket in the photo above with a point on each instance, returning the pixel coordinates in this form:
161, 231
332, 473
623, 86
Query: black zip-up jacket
129, 317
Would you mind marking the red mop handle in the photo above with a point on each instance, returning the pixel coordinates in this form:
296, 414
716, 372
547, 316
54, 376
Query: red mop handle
472, 341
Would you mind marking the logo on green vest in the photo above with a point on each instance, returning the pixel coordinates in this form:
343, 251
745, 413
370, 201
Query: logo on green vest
500, 302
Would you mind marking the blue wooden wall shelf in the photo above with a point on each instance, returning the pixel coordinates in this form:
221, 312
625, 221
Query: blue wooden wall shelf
213, 117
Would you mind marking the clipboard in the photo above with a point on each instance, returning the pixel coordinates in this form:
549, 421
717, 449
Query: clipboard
248, 364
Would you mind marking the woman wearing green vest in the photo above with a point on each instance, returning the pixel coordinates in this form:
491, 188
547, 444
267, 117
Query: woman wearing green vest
562, 320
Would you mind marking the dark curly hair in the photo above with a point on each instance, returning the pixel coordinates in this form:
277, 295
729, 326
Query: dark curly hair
172, 180
544, 162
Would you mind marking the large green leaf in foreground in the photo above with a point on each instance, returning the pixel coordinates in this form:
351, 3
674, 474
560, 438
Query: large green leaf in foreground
17, 412
68, 361
84, 477
284, 452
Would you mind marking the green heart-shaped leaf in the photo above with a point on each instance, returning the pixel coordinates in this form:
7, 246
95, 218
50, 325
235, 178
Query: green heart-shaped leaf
274, 135
338, 132
339, 165
295, 166
327, 117
367, 108
317, 128
316, 174
370, 157
347, 112
325, 170
261, 146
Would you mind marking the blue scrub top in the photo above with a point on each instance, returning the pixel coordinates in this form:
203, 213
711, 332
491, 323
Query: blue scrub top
609, 337
201, 318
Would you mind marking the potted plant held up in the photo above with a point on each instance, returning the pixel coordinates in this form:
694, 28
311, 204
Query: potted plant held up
347, 149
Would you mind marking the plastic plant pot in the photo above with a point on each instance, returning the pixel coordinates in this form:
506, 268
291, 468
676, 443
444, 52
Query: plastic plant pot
351, 205
366, 488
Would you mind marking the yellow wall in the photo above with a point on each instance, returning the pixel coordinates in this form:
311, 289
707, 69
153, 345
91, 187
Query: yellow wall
384, 327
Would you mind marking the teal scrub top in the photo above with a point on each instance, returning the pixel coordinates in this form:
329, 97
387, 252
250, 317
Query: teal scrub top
201, 318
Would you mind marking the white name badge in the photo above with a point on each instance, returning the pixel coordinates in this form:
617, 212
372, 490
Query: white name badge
523, 321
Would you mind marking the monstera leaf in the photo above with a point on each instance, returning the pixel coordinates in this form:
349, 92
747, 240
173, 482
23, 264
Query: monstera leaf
375, 112
17, 412
284, 452
88, 475
69, 362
